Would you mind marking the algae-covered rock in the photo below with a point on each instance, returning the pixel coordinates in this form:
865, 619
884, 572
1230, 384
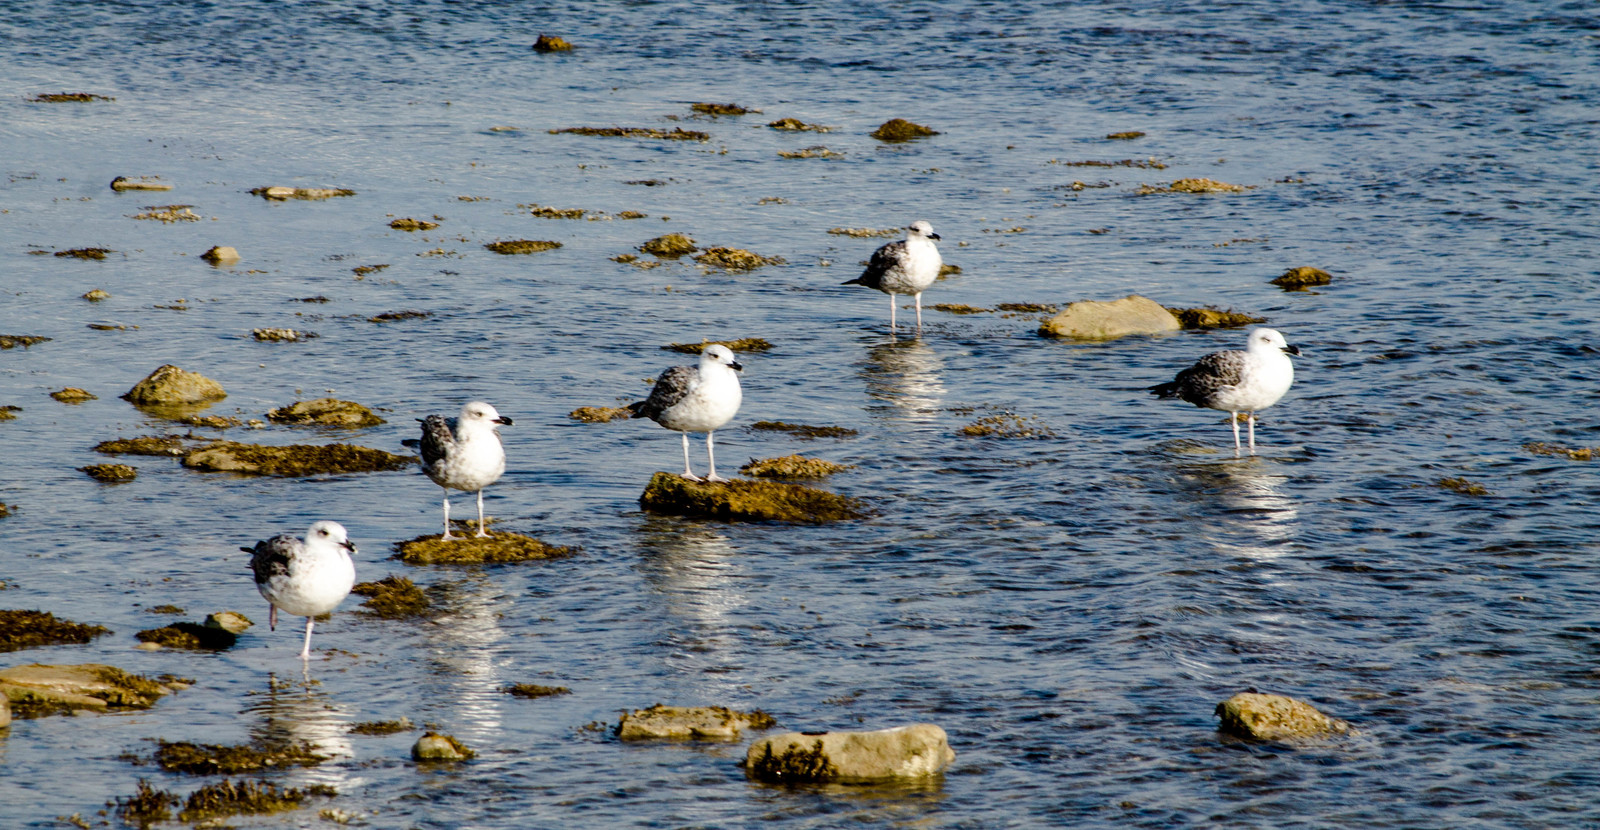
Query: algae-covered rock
792, 466
169, 384
531, 691
551, 43
221, 255
409, 224
168, 214
735, 259
325, 412
11, 341
961, 308
675, 134
1006, 425
866, 233
279, 194
68, 98
36, 690
669, 246
1127, 135
122, 183
229, 759
187, 635
233, 798
1213, 318
803, 430
1092, 320
110, 472
522, 246
436, 747
899, 129
1462, 486
95, 295
294, 460
795, 125
747, 500
814, 152
705, 723
599, 414
146, 807
1029, 308
901, 752
85, 253
721, 109
498, 547
232, 622
281, 335
743, 344
393, 598
1305, 276
382, 727
1573, 453
73, 394
1266, 717
1192, 186
30, 629
168, 445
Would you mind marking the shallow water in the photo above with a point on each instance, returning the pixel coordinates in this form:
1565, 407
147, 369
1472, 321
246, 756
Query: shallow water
1068, 608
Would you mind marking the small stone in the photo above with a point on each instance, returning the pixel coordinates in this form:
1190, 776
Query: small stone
1302, 277
599, 414
110, 472
436, 747
73, 394
551, 43
95, 295
221, 255
278, 194
326, 412
1091, 320
714, 723
169, 384
1267, 717
669, 246
800, 757
898, 129
409, 224
232, 622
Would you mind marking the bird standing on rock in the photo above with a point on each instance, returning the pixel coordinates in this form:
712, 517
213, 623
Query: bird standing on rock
907, 266
464, 453
1235, 381
696, 399
307, 577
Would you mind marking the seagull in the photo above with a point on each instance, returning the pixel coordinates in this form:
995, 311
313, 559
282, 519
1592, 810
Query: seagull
464, 453
305, 578
1234, 381
908, 266
696, 399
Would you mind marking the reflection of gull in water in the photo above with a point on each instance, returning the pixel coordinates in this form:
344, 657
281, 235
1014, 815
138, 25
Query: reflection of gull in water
293, 710
696, 572
466, 666
905, 375
1262, 521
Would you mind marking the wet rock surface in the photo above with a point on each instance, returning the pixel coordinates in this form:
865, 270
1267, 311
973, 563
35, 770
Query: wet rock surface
221, 255
792, 466
600, 414
747, 500
280, 194
498, 547
229, 759
326, 412
713, 723
800, 757
1093, 320
73, 394
1296, 279
37, 690
169, 384
513, 247
110, 472
1268, 717
294, 460
898, 130
1213, 318
30, 629
434, 746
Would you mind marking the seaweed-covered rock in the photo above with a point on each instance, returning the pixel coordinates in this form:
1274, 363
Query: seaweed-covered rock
9, 412
281, 335
188, 635
522, 246
800, 757
122, 183
735, 259
1092, 320
169, 445
68, 98
669, 246
498, 547
1006, 425
229, 759
795, 125
85, 253
31, 629
36, 690
221, 255
325, 412
531, 691
551, 43
168, 214
73, 394
1296, 279
95, 295
599, 414
232, 622
436, 747
231, 798
382, 727
409, 224
1573, 453
169, 384
747, 500
961, 308
705, 723
11, 341
5, 712
294, 460
721, 109
792, 466
1265, 717
392, 598
146, 807
803, 430
1213, 318
898, 129
675, 134
1192, 186
110, 472
279, 194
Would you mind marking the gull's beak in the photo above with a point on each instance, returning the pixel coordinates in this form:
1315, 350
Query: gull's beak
349, 546
737, 366
503, 420
1294, 350
934, 236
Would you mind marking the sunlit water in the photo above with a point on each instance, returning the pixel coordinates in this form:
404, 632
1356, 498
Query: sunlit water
1070, 608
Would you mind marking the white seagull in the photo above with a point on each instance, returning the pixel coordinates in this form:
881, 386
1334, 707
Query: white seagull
696, 399
1234, 381
304, 577
464, 453
908, 266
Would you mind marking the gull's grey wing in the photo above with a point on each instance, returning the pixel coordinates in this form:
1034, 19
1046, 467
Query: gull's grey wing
271, 558
438, 436
671, 387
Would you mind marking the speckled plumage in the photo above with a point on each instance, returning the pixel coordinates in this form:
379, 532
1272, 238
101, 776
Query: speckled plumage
698, 398
464, 453
1237, 381
304, 577
906, 266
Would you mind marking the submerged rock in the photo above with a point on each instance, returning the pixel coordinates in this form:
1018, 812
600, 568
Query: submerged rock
898, 129
279, 194
522, 246
1092, 320
325, 412
599, 414
1192, 186
735, 259
1573, 453
669, 246
436, 747
802, 757
1302, 277
1265, 717
168, 214
498, 547
795, 125
676, 134
73, 394
531, 691
721, 109
410, 224
713, 723
37, 690
110, 472
169, 384
68, 98
221, 255
382, 727
229, 759
168, 445
95, 295
11, 341
747, 500
294, 460
1007, 425
31, 629
188, 635
1213, 318
961, 308
85, 253
393, 598
551, 43
792, 466
277, 335
231, 798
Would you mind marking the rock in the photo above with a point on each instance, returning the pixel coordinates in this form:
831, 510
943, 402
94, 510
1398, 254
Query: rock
902, 752
73, 394
294, 460
95, 295
599, 414
170, 385
410, 224
1091, 320
1296, 279
1192, 186
36, 690
803, 430
232, 622
743, 344
795, 125
326, 412
168, 445
1213, 318
189, 636
747, 500
675, 134
11, 341
522, 246
229, 759
5, 712
30, 629
792, 466
278, 335
169, 213
110, 472
531, 691
436, 747
122, 183
898, 129
669, 246
279, 194
715, 110
1265, 717
221, 255
1007, 425
551, 43
392, 598
705, 723
497, 547
85, 253
735, 259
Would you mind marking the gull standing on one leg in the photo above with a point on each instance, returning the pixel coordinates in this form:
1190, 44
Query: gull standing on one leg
1235, 381
304, 577
908, 266
464, 453
696, 399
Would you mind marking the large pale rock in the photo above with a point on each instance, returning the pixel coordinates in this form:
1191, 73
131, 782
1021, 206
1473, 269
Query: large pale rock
5, 712
901, 752
172, 385
436, 747
1264, 717
37, 689
715, 723
1092, 320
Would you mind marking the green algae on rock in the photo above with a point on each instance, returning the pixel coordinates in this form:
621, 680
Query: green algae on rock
37, 690
393, 598
382, 727
1213, 318
600, 414
230, 798
1574, 453
409, 224
11, 341
188, 635
85, 253
802, 430
551, 43
722, 109
913, 751
532, 691
1305, 276
31, 629
713, 723
676, 134
146, 807
1268, 717
896, 130
792, 466
73, 394
1006, 425
1462, 486
795, 125
168, 445
110, 472
522, 246
229, 759
325, 412
747, 500
961, 308
169, 384
294, 460
669, 246
743, 344
434, 746
499, 547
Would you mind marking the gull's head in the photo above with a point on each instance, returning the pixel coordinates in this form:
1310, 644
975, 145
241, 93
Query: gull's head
482, 412
923, 229
720, 354
329, 533
1269, 339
